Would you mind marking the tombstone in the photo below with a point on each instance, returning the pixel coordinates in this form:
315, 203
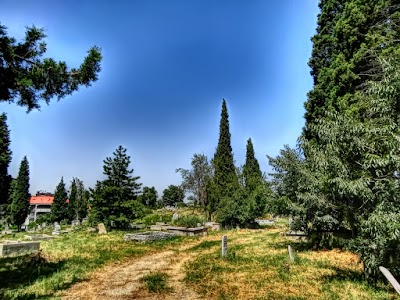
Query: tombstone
102, 228
39, 227
75, 223
7, 228
175, 216
290, 253
224, 245
57, 228
391, 279
85, 220
44, 225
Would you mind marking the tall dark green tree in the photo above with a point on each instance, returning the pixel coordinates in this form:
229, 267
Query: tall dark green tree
251, 170
59, 209
115, 199
225, 181
19, 199
173, 195
26, 77
149, 197
82, 199
5, 159
350, 34
73, 203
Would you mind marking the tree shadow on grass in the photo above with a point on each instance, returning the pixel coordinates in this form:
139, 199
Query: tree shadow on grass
17, 272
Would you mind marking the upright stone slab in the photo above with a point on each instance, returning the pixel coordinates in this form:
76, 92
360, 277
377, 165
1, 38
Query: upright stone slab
224, 245
57, 228
175, 216
102, 228
390, 278
290, 253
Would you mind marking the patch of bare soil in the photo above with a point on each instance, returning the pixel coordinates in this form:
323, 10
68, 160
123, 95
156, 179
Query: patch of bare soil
122, 280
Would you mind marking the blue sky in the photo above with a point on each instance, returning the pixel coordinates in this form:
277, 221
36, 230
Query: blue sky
167, 66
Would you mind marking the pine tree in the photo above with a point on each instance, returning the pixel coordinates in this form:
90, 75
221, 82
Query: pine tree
115, 199
59, 209
225, 181
19, 198
5, 159
73, 203
81, 199
26, 77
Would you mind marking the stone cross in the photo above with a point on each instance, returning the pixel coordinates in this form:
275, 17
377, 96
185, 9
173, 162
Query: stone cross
290, 253
224, 245
391, 279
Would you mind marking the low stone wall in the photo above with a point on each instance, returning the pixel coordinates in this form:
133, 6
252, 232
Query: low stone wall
148, 236
183, 231
15, 248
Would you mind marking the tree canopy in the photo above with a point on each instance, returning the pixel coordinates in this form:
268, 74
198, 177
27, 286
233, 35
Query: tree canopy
26, 76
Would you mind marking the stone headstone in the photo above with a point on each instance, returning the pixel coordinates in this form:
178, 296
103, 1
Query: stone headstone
7, 228
290, 253
57, 229
85, 220
44, 225
75, 223
391, 279
224, 245
102, 228
175, 216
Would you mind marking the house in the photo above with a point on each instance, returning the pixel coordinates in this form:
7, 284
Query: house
39, 205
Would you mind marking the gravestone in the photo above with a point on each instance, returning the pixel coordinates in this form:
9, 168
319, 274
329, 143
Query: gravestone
102, 228
85, 220
391, 279
290, 253
57, 229
224, 245
175, 216
75, 223
44, 225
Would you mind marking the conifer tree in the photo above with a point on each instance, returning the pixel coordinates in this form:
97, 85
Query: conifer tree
115, 199
5, 159
225, 181
73, 203
251, 170
19, 198
59, 209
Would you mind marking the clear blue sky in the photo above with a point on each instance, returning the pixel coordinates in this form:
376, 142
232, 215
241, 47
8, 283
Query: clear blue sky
167, 65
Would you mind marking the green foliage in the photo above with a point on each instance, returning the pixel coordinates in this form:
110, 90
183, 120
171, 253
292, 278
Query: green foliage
225, 181
73, 201
5, 159
114, 200
59, 209
173, 195
188, 221
151, 219
195, 180
149, 197
156, 282
28, 77
19, 199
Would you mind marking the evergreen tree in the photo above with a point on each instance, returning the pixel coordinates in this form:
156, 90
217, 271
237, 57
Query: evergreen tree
173, 195
59, 209
149, 197
27, 77
5, 159
82, 199
225, 181
349, 34
73, 203
19, 199
115, 199
251, 170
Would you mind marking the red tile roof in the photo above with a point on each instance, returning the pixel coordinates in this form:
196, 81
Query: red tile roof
47, 200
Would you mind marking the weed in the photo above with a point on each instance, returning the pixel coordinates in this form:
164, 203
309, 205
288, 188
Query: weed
156, 282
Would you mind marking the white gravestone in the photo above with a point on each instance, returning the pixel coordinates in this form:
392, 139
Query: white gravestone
391, 279
290, 253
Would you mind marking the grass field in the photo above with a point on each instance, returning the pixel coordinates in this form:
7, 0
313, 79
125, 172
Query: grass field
257, 267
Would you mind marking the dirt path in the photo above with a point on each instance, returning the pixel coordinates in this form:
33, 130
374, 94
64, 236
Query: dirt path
122, 281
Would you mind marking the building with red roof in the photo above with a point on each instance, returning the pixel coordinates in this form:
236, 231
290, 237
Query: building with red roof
39, 205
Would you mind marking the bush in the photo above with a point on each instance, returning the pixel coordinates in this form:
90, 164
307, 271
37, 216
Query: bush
153, 218
155, 282
188, 221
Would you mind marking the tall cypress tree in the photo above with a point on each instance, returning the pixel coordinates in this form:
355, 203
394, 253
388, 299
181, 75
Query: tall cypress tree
59, 209
5, 159
19, 198
251, 170
73, 204
225, 181
349, 34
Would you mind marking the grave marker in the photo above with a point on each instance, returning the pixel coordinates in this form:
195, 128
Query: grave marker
224, 245
290, 253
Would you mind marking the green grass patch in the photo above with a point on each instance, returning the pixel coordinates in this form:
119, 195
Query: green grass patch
156, 282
